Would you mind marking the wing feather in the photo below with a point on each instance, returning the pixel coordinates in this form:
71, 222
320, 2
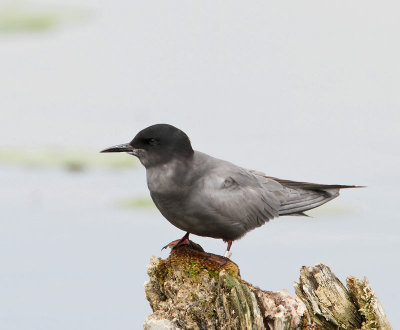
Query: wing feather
245, 201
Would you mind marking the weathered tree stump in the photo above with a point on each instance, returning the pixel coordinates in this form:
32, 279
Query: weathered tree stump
189, 290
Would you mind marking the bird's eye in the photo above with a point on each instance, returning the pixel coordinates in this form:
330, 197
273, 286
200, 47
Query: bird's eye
153, 141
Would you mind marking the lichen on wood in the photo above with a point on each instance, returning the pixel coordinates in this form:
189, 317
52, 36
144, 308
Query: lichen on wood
368, 304
327, 299
190, 290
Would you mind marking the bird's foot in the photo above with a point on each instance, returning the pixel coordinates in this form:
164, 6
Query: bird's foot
219, 260
178, 242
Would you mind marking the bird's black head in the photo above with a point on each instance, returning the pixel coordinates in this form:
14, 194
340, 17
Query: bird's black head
157, 144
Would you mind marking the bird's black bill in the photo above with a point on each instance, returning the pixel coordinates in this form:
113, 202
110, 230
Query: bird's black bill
120, 148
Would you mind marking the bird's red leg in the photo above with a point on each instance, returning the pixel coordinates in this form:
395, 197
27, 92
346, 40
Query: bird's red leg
183, 241
228, 252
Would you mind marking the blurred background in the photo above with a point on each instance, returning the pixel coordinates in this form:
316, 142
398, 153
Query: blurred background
303, 90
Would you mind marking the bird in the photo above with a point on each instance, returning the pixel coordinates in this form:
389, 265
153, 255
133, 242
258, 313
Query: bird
210, 197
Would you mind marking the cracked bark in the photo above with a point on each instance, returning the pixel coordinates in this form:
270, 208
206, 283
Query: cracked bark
188, 290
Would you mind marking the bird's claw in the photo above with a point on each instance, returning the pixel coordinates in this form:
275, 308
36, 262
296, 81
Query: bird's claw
178, 242
171, 245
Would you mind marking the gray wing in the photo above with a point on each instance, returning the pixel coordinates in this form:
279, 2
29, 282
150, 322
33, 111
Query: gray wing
231, 201
303, 196
241, 199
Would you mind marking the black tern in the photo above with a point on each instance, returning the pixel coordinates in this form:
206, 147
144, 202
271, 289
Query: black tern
206, 196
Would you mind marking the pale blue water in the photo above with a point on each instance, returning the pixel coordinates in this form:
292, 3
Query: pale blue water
274, 87
72, 260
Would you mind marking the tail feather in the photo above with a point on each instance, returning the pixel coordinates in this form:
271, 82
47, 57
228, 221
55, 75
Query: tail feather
304, 196
307, 201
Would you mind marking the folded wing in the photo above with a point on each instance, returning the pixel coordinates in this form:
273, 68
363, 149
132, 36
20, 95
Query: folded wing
247, 199
243, 200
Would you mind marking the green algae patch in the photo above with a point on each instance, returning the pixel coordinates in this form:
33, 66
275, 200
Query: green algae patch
25, 17
68, 159
333, 210
140, 202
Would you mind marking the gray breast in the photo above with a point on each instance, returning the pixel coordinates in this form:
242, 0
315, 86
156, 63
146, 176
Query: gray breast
169, 190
